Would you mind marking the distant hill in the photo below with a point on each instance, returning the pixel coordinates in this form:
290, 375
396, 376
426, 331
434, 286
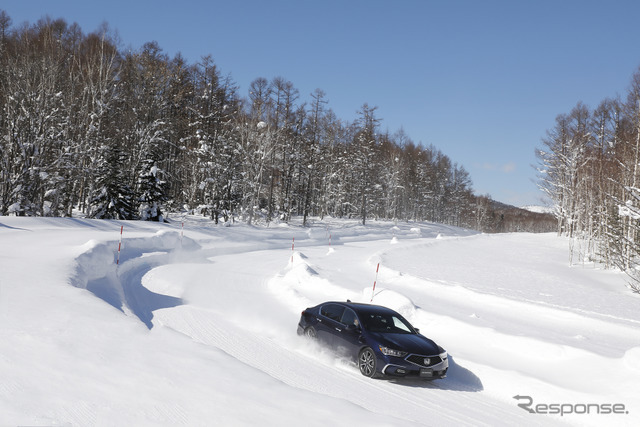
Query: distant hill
503, 218
538, 209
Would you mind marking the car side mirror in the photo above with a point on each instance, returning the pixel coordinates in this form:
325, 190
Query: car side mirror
417, 330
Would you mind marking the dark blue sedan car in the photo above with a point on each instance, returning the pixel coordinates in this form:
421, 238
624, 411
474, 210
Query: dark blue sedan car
381, 341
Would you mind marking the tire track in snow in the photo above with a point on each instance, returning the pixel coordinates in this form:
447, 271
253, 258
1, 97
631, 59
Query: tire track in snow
274, 348
299, 367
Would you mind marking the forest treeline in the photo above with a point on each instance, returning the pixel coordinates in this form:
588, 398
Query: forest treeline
131, 134
589, 166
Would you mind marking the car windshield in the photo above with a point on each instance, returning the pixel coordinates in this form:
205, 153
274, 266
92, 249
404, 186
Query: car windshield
385, 323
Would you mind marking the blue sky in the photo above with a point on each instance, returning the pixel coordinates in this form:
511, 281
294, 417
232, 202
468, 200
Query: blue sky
481, 81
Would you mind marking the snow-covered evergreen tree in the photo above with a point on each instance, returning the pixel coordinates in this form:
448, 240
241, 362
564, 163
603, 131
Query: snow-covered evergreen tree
112, 197
153, 192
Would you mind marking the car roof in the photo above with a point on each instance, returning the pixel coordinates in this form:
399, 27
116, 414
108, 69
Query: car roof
359, 307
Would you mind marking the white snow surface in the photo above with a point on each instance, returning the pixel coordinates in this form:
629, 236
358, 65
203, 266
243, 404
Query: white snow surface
197, 325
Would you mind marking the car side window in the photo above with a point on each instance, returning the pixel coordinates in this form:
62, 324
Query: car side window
349, 318
332, 311
376, 323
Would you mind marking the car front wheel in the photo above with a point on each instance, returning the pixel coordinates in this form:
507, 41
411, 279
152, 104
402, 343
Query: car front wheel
367, 362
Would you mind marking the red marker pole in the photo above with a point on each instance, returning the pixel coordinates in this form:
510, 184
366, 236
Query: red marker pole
119, 245
374, 282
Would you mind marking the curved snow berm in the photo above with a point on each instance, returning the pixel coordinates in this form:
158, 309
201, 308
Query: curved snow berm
119, 281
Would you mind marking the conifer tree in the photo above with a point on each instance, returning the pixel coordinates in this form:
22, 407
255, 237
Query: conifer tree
153, 192
112, 197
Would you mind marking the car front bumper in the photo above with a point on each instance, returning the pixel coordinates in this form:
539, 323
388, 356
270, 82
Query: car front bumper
406, 368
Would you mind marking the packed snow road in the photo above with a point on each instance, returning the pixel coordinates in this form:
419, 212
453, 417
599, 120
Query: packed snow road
198, 325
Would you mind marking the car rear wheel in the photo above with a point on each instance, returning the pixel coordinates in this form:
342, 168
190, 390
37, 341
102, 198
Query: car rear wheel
310, 333
367, 362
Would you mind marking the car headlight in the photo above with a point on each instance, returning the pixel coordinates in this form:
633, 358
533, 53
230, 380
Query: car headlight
391, 352
443, 355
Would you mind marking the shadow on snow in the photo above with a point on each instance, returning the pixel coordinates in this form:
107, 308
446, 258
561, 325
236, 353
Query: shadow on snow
458, 379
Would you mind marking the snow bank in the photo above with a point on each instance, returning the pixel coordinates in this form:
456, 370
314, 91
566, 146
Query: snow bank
394, 300
299, 285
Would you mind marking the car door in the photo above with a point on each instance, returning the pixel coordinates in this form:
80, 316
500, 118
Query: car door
347, 337
329, 323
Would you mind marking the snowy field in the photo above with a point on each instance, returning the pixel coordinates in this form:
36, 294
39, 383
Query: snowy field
197, 326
